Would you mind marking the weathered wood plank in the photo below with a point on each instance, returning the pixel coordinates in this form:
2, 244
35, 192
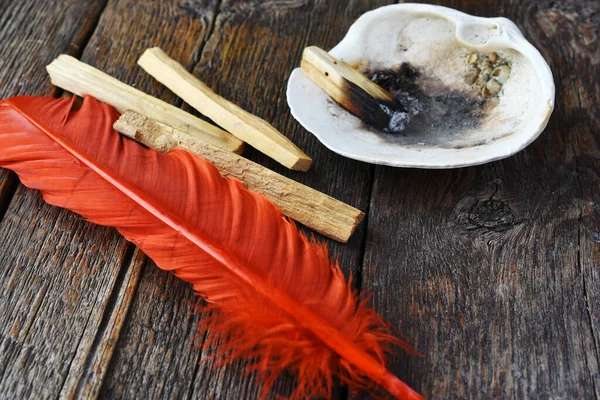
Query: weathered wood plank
579, 25
493, 270
253, 50
156, 356
23, 53
54, 287
91, 364
54, 283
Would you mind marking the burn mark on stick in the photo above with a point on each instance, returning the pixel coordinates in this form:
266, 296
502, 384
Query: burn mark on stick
387, 116
354, 91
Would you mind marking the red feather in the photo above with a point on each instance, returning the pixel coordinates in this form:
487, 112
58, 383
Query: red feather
276, 295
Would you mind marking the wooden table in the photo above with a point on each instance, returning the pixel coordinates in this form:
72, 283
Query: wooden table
492, 271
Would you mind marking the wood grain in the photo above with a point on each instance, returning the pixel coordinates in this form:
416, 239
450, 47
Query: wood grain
155, 357
54, 285
90, 367
493, 270
21, 72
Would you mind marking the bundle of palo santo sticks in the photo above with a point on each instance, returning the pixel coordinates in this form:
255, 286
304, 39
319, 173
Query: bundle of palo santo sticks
164, 127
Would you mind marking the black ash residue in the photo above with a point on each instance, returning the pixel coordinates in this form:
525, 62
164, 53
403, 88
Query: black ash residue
397, 117
385, 115
431, 105
404, 78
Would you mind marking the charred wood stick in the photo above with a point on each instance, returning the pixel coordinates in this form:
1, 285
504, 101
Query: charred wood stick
251, 129
309, 207
354, 91
82, 79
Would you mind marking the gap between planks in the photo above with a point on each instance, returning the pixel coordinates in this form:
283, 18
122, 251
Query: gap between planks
88, 380
580, 264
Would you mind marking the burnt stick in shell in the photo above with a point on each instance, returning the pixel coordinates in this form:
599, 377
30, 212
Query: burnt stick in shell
355, 92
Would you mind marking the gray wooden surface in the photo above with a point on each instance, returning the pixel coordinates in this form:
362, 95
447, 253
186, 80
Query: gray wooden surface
492, 271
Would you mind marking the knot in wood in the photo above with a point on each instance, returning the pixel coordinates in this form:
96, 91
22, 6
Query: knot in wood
493, 215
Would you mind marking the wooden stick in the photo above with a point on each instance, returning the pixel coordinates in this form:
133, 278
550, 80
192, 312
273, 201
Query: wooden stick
251, 129
354, 91
77, 77
310, 207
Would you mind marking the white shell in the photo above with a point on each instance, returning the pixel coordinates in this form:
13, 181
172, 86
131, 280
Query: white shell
437, 40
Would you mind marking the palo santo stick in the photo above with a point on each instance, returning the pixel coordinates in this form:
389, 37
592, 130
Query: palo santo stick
77, 77
251, 129
354, 91
310, 207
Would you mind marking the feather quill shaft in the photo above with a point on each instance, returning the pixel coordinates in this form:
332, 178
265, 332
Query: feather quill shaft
255, 268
